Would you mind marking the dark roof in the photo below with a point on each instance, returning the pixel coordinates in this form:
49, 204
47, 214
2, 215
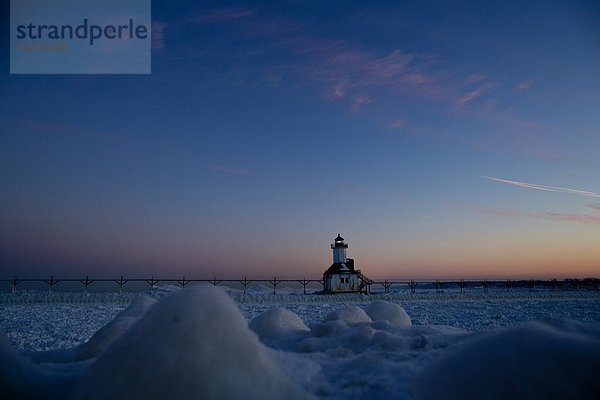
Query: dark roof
336, 268
339, 238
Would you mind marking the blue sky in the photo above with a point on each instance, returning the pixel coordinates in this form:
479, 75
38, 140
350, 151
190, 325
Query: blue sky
267, 128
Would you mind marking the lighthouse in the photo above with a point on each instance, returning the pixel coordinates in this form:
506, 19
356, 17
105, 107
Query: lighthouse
339, 250
341, 275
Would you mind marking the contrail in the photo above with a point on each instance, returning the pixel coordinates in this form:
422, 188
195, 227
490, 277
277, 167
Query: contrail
545, 188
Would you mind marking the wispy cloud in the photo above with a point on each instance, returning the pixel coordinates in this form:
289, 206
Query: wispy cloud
343, 69
410, 128
573, 217
339, 91
512, 212
397, 123
521, 86
359, 100
475, 78
345, 72
544, 187
224, 15
227, 169
349, 70
473, 94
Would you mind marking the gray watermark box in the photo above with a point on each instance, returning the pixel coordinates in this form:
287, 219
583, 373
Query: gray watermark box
80, 37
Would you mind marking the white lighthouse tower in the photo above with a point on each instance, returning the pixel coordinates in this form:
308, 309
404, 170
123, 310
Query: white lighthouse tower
339, 250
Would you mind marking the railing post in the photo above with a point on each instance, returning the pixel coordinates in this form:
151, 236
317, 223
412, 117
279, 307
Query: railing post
152, 282
14, 284
121, 282
304, 283
51, 283
245, 283
412, 286
87, 282
183, 282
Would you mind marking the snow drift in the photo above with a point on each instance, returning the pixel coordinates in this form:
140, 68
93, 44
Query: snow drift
386, 311
278, 323
550, 359
21, 379
193, 344
115, 328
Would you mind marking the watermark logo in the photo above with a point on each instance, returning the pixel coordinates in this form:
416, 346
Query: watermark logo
80, 37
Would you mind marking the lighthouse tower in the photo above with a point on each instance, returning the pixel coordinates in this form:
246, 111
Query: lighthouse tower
339, 250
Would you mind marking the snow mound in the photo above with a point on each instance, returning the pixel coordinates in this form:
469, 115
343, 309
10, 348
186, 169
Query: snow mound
115, 328
138, 306
550, 359
277, 323
163, 290
192, 344
14, 370
349, 315
385, 311
22, 379
102, 338
350, 331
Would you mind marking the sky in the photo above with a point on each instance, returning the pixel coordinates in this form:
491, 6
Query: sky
454, 139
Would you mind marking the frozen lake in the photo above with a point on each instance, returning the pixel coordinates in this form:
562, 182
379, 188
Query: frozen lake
347, 346
36, 321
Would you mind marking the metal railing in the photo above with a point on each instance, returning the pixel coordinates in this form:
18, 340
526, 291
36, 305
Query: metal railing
121, 281
387, 284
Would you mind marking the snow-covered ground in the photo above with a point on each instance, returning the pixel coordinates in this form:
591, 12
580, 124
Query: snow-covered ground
205, 342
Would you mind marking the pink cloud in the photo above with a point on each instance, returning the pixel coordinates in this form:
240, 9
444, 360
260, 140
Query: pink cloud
339, 91
418, 79
475, 78
341, 71
473, 94
523, 85
573, 217
346, 71
512, 212
397, 123
360, 100
409, 128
